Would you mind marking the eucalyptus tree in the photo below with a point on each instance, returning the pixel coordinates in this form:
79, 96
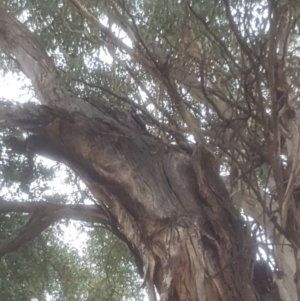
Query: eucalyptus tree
177, 116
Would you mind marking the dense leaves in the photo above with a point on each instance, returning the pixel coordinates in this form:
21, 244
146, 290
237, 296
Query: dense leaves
50, 269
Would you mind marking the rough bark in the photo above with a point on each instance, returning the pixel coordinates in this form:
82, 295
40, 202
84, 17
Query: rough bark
170, 205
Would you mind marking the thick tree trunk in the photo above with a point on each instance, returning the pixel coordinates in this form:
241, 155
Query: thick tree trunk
170, 206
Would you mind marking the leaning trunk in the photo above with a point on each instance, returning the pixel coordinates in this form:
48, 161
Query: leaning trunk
168, 205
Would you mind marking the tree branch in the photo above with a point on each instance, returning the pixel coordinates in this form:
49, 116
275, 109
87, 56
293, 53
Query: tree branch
43, 215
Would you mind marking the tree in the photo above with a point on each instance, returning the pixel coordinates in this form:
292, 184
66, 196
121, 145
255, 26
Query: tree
192, 117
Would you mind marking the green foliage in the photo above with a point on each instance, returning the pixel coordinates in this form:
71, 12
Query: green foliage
102, 270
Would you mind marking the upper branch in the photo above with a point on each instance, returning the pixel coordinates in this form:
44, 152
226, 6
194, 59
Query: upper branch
32, 59
157, 68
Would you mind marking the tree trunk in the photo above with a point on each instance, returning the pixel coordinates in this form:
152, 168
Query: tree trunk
171, 207
168, 204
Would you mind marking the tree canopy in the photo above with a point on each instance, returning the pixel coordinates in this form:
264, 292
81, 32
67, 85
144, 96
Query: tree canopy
156, 115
